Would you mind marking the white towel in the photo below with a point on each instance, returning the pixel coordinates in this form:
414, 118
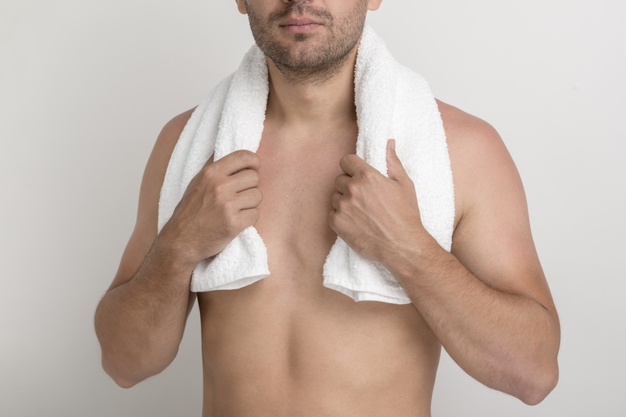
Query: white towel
391, 102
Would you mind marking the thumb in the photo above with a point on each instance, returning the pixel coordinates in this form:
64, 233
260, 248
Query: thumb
395, 169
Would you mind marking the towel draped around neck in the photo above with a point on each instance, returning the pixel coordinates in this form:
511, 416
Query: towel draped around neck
391, 101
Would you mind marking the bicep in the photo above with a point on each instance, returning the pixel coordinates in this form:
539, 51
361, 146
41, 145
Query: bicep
145, 230
493, 238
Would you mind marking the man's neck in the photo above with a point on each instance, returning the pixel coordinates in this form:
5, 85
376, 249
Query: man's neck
307, 106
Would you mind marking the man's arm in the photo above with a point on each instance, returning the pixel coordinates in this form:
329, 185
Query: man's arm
488, 301
510, 335
141, 319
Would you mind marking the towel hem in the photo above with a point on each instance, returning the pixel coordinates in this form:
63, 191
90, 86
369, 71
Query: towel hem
381, 294
203, 286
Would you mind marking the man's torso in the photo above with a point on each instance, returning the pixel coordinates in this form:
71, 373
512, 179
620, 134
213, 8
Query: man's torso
287, 346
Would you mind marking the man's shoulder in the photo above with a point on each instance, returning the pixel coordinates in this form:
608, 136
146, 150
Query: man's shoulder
174, 127
168, 137
162, 151
471, 141
464, 129
478, 156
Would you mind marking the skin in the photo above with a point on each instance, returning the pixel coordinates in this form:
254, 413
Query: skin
288, 346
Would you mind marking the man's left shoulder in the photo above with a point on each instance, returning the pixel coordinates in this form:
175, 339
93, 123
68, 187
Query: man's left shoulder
472, 142
465, 130
481, 164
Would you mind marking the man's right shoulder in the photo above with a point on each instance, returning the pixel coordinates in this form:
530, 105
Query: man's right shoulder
172, 129
156, 167
166, 141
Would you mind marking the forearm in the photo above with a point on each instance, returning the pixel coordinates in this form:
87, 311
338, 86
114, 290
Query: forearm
141, 322
506, 341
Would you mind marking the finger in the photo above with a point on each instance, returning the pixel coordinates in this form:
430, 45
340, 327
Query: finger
336, 221
334, 200
341, 183
244, 179
248, 199
351, 164
249, 217
237, 161
395, 169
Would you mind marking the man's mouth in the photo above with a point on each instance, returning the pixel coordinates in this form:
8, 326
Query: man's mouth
299, 24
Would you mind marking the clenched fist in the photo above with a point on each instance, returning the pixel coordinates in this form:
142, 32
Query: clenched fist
219, 202
373, 214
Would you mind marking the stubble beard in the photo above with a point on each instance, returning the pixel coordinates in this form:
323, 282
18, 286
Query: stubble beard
315, 63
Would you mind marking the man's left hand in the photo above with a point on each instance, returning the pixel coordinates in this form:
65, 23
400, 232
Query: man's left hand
373, 214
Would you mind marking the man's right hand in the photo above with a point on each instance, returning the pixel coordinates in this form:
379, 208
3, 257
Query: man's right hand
219, 203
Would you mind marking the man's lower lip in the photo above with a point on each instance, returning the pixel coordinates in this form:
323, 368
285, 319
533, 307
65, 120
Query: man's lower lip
301, 28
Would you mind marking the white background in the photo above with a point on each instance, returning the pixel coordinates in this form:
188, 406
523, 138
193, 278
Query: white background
86, 86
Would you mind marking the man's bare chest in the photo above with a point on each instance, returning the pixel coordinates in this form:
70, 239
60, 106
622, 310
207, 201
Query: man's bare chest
297, 182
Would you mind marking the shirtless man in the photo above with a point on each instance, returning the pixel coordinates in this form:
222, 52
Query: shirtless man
287, 346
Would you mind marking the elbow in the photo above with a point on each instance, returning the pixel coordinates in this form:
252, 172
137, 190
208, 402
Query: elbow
123, 382
122, 376
123, 368
127, 375
539, 385
127, 365
540, 372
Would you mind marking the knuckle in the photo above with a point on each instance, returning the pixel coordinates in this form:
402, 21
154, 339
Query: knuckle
218, 191
246, 156
368, 175
229, 207
344, 206
208, 173
341, 205
354, 189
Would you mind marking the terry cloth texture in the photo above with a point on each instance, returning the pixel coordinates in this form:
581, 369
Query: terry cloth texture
391, 101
